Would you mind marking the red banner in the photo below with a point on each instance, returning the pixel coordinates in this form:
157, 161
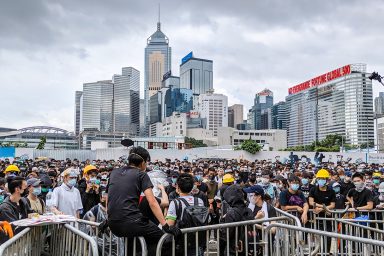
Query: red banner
343, 71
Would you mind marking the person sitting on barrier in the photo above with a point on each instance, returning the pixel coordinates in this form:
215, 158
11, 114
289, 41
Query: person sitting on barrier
33, 200
237, 211
124, 188
340, 198
66, 198
89, 187
292, 199
360, 197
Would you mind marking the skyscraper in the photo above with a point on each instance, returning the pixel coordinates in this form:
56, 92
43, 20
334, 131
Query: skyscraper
235, 115
126, 106
263, 100
97, 107
78, 95
197, 75
214, 107
279, 116
379, 105
157, 62
337, 102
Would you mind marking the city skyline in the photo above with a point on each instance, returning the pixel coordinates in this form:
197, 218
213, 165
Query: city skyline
57, 47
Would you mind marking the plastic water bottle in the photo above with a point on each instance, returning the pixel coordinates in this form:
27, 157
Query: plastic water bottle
49, 202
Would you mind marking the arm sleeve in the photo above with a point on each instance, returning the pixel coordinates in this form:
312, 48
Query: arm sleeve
283, 198
312, 192
369, 196
6, 215
55, 197
333, 196
145, 181
79, 204
171, 214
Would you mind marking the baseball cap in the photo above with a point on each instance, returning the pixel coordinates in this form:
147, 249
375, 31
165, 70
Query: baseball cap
257, 189
33, 182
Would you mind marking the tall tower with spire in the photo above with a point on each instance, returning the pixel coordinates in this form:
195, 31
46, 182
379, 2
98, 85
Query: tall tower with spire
157, 61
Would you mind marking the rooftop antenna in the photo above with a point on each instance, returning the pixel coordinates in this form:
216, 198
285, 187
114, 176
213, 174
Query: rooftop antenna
158, 22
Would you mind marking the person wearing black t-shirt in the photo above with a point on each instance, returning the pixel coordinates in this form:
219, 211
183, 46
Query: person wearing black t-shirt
124, 188
319, 196
292, 199
360, 197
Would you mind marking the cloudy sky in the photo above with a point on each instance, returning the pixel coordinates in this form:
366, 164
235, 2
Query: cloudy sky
48, 49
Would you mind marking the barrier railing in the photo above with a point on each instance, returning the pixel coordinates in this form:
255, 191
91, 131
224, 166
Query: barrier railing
317, 242
28, 242
68, 240
109, 244
230, 238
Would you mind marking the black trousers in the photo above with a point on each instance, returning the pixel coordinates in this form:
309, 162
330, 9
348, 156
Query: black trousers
141, 227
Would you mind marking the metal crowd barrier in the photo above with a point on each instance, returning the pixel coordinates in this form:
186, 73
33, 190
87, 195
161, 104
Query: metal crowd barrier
318, 242
28, 242
68, 240
229, 239
109, 244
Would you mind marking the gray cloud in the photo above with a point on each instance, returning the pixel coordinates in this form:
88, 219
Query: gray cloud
49, 48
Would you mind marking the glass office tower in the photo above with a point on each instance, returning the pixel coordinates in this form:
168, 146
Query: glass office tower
338, 102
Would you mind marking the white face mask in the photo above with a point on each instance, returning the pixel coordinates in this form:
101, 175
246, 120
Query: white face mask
253, 199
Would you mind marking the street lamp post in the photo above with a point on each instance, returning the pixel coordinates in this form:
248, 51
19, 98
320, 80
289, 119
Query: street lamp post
379, 78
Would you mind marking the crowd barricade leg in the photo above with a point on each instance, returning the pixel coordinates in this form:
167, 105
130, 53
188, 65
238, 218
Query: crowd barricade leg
110, 245
29, 241
244, 238
347, 244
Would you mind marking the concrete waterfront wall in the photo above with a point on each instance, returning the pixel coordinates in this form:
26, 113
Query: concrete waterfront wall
162, 154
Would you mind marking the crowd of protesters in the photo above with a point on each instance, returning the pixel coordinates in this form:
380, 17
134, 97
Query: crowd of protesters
120, 195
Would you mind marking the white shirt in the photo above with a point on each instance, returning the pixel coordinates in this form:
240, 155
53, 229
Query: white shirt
67, 200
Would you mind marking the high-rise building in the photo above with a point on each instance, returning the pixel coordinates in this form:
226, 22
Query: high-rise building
214, 108
279, 116
266, 119
379, 105
338, 102
263, 100
111, 106
157, 62
142, 118
78, 99
126, 106
235, 115
97, 106
197, 75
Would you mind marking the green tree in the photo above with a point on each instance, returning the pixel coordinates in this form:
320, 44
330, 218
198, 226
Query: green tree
250, 146
195, 143
42, 142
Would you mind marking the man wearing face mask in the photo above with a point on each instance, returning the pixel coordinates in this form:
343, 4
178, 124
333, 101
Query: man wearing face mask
376, 178
305, 184
66, 198
33, 200
13, 208
346, 183
321, 194
340, 198
292, 199
360, 197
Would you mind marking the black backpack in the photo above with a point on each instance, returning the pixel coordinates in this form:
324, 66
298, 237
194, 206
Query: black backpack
193, 215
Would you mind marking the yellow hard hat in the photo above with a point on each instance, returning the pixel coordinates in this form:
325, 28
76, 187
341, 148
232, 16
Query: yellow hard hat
228, 178
12, 168
322, 173
89, 168
376, 174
